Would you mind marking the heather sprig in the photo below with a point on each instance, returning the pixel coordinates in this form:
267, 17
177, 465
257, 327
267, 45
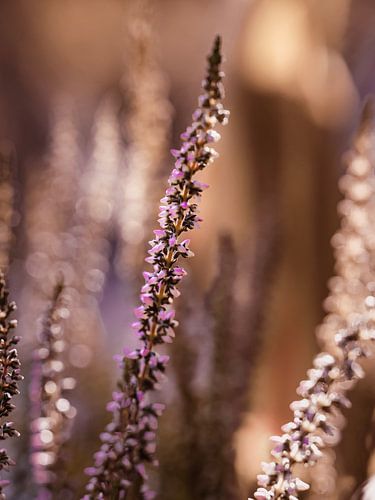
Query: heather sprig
50, 206
129, 440
9, 374
313, 425
52, 411
89, 248
347, 328
354, 256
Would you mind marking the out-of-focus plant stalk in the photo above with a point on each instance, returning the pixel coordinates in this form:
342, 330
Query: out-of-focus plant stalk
146, 134
49, 208
353, 245
354, 242
68, 234
68, 218
212, 474
9, 375
52, 412
346, 330
92, 221
129, 440
51, 201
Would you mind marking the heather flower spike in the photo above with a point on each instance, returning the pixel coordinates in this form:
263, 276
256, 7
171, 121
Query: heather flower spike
9, 373
350, 323
129, 440
52, 411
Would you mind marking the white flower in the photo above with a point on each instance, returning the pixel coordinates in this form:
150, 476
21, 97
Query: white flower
308, 426
315, 450
301, 485
323, 360
263, 479
357, 370
367, 334
305, 386
290, 426
296, 453
301, 404
263, 494
269, 468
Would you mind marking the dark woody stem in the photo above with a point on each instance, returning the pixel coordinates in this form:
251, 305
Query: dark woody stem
129, 440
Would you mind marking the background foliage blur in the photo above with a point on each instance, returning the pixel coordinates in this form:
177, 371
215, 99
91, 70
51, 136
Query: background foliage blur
92, 95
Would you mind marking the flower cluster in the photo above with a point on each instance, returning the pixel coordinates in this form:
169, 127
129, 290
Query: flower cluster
9, 374
129, 440
353, 245
345, 331
52, 412
354, 242
313, 426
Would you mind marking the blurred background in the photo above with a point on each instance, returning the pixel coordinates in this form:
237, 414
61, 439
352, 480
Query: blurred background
93, 93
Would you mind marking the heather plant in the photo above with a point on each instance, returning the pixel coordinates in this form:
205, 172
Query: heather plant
347, 330
352, 245
10, 375
68, 215
91, 225
68, 221
49, 205
218, 474
52, 413
129, 440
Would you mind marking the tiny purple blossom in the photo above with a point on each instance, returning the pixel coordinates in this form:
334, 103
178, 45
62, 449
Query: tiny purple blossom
129, 440
175, 152
112, 406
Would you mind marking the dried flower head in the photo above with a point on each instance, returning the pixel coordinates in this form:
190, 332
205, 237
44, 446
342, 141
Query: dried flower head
9, 374
129, 440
